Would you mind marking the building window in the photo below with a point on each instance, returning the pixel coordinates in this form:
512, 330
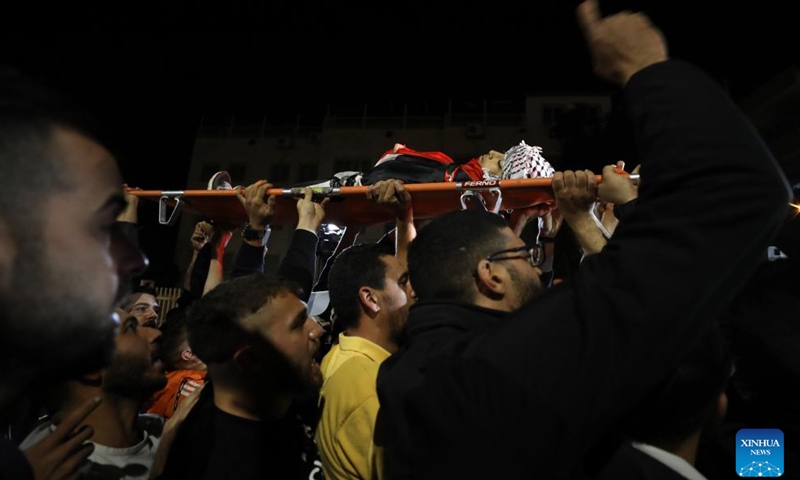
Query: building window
593, 112
353, 164
238, 171
279, 173
551, 115
307, 171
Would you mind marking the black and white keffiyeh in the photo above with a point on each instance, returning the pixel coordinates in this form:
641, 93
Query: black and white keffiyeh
525, 161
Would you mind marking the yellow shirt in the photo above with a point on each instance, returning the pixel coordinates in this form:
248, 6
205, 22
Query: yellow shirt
349, 404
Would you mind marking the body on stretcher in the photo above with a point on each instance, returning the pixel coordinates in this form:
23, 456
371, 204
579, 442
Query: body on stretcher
518, 178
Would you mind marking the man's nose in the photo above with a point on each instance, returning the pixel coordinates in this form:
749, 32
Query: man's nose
316, 332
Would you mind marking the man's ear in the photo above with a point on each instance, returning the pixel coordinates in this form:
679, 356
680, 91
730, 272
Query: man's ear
490, 279
368, 299
8, 252
246, 359
188, 356
722, 408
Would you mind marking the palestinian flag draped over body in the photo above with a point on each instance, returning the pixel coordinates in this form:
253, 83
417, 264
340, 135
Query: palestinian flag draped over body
411, 166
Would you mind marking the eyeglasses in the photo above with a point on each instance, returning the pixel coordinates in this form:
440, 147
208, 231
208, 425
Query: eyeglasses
533, 254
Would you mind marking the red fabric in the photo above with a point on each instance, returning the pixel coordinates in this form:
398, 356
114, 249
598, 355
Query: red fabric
436, 156
472, 168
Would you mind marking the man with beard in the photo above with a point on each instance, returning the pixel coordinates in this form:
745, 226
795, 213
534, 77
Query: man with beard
477, 392
259, 345
124, 441
64, 266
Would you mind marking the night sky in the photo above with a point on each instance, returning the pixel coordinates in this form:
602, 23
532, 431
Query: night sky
150, 70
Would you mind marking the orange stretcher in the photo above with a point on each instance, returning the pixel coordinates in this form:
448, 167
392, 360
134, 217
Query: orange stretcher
349, 206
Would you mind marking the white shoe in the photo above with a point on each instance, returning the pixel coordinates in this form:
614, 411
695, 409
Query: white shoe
220, 181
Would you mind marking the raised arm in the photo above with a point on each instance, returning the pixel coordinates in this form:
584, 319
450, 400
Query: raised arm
394, 195
128, 219
299, 264
203, 232
635, 308
619, 193
549, 225
216, 266
260, 210
575, 194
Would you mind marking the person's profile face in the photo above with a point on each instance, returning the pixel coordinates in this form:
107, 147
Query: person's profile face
525, 282
285, 325
492, 161
145, 308
396, 297
135, 368
77, 264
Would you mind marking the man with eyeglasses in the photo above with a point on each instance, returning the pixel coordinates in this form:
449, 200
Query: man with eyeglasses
498, 380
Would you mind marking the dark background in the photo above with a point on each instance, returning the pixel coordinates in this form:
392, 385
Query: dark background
151, 70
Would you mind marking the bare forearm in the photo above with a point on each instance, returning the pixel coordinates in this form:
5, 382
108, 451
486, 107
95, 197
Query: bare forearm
187, 277
215, 275
588, 233
215, 269
406, 231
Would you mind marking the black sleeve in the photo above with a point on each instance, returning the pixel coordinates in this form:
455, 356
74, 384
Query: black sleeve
13, 463
300, 262
624, 211
248, 260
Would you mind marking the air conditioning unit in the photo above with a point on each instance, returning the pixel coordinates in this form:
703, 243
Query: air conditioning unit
475, 130
285, 142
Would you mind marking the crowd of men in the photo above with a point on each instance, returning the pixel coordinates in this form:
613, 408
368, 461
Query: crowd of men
452, 350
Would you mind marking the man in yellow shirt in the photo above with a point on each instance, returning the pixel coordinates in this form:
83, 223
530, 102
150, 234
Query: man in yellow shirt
370, 296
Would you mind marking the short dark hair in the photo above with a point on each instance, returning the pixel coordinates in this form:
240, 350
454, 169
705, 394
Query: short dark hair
137, 291
173, 334
686, 399
29, 113
355, 267
214, 321
140, 289
443, 256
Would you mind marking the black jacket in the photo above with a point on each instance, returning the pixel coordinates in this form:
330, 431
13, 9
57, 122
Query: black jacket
536, 393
